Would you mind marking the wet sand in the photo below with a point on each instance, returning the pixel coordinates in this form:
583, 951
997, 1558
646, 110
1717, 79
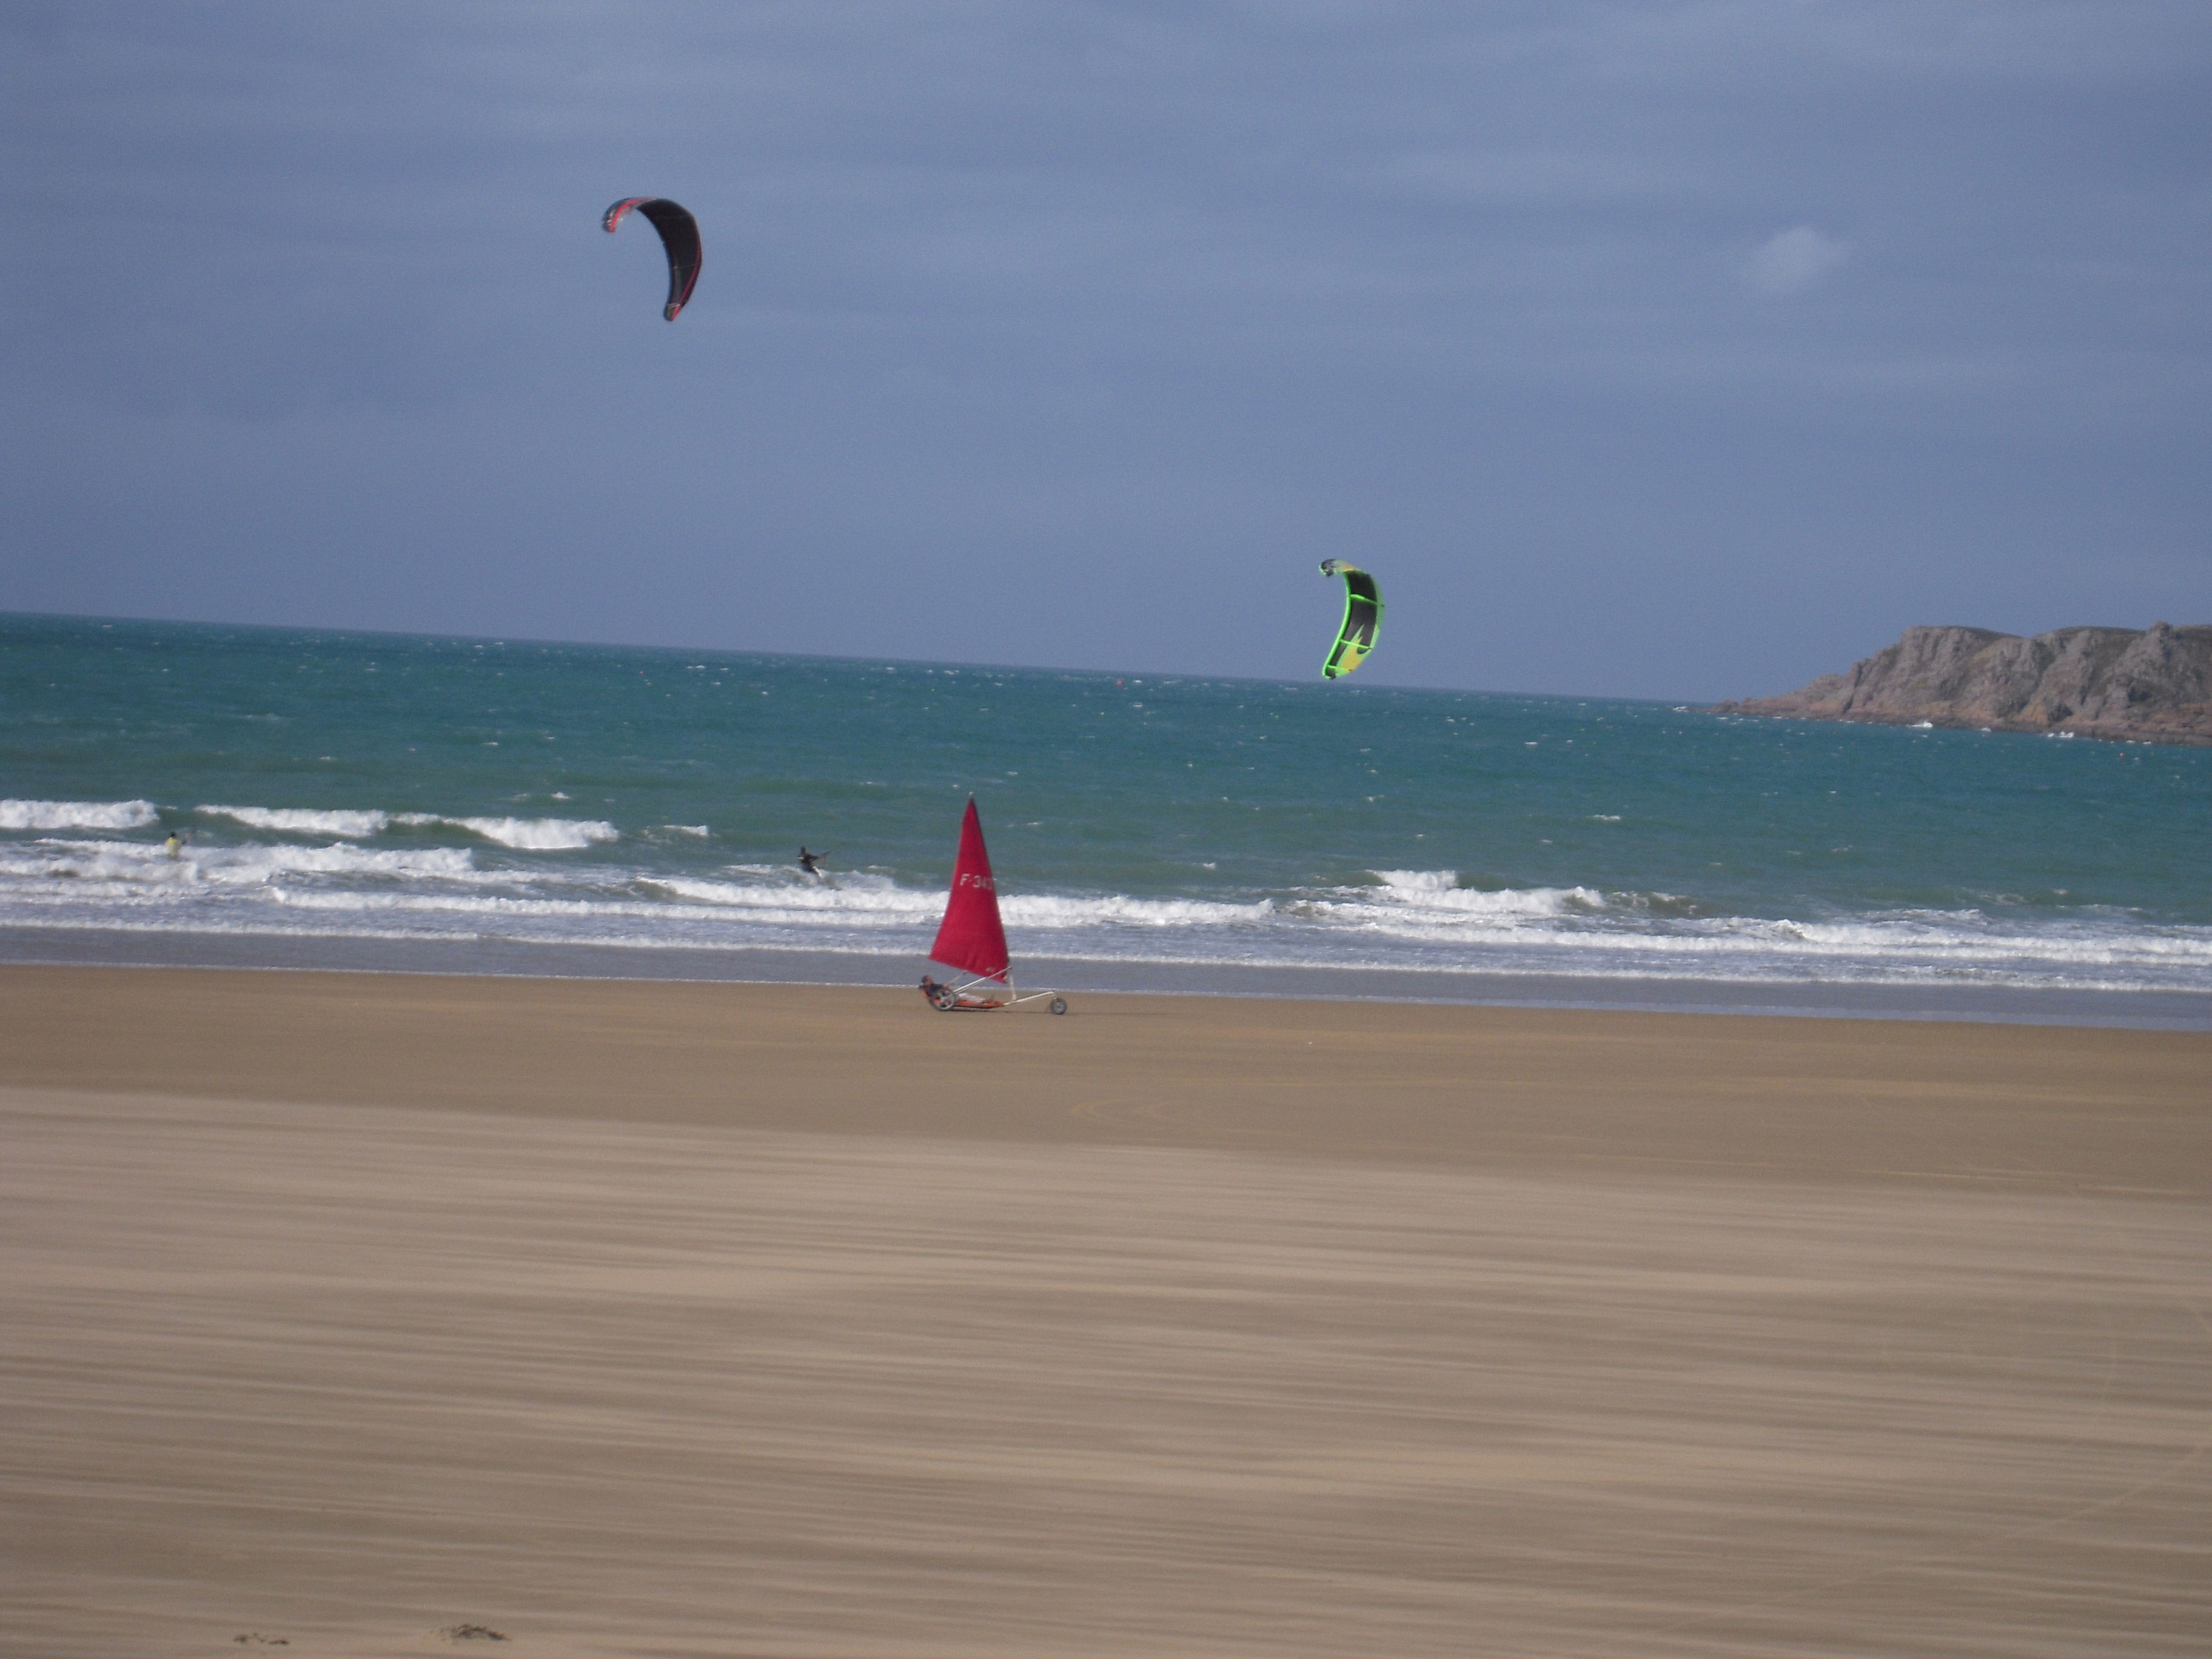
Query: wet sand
631, 1319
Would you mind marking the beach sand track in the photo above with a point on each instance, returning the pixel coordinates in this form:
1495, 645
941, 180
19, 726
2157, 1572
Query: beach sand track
1820, 1100
1123, 1335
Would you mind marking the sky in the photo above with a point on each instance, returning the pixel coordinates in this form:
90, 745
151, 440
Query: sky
1677, 350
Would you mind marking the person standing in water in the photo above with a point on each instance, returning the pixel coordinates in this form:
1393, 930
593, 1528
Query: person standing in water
174, 847
811, 863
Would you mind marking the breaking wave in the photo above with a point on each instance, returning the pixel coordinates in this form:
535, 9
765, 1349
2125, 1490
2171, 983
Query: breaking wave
533, 835
301, 821
76, 814
317, 871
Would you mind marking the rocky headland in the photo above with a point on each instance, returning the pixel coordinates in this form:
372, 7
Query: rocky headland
2147, 685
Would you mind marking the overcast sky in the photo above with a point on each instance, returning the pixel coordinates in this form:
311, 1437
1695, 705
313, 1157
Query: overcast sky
1654, 349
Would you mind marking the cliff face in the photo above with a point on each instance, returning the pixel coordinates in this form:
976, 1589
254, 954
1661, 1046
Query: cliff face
2154, 685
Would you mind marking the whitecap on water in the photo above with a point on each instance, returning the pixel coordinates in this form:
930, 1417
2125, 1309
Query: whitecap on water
76, 814
304, 820
526, 834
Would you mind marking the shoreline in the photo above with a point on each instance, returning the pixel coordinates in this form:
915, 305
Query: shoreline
2139, 1010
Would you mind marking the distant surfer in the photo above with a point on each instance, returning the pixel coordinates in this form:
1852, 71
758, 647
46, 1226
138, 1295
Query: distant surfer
811, 863
174, 847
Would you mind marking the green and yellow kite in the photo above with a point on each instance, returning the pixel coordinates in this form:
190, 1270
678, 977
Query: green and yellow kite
1363, 618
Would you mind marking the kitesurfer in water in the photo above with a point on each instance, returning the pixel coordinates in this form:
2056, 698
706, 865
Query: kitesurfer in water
174, 847
811, 863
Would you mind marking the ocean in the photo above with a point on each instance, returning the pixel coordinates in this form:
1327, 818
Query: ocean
513, 806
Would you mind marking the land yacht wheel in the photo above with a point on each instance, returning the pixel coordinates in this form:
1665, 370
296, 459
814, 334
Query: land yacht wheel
1058, 1004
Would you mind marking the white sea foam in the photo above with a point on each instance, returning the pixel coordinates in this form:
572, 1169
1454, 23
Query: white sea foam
304, 820
204, 867
1417, 881
82, 871
1112, 910
854, 899
864, 899
541, 834
1417, 920
527, 835
432, 863
1436, 895
76, 814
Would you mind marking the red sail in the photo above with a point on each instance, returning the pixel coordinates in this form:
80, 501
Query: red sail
971, 938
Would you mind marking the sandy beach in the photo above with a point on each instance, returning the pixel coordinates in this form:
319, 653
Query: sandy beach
371, 1314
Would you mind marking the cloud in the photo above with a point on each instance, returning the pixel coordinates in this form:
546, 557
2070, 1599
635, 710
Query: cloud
1792, 259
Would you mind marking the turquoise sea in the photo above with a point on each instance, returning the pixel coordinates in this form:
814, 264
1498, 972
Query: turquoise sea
568, 805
